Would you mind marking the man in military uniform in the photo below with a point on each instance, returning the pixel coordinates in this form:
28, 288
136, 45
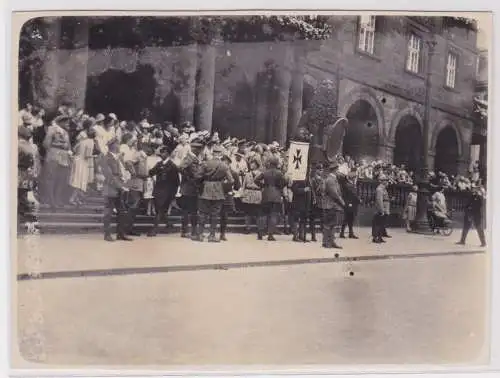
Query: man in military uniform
272, 181
474, 215
213, 174
166, 185
228, 205
317, 180
382, 207
349, 191
113, 190
332, 205
301, 206
190, 188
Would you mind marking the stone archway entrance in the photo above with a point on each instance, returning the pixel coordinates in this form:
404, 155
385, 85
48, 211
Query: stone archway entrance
122, 93
447, 152
408, 147
361, 139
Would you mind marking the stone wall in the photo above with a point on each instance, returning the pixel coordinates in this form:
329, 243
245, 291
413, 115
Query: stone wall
253, 83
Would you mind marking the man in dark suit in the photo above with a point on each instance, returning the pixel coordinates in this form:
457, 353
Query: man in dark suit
474, 215
190, 189
113, 191
382, 211
332, 205
272, 181
166, 185
213, 173
349, 192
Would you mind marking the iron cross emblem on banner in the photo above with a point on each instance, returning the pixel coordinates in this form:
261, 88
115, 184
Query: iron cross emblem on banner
297, 159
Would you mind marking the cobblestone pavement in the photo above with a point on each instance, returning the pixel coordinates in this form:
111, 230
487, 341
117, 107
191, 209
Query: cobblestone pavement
169, 301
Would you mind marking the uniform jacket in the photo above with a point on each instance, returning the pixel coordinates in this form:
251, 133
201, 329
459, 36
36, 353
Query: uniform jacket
316, 187
272, 181
213, 173
132, 160
382, 201
57, 146
113, 175
235, 185
301, 199
190, 184
331, 194
167, 179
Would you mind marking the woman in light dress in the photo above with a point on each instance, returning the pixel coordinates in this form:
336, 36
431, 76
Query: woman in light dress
82, 164
410, 211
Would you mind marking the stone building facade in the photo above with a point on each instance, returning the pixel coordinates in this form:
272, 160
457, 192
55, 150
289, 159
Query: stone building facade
260, 90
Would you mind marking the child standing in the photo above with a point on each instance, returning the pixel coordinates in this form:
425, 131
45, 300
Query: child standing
149, 184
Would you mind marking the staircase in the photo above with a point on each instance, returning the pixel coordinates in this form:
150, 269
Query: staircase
88, 218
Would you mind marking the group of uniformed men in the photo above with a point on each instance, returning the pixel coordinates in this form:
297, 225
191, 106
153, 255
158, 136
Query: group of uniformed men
207, 187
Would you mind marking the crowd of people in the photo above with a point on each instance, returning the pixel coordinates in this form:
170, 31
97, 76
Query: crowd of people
143, 166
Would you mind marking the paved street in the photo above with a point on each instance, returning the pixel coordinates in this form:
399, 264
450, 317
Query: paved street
169, 301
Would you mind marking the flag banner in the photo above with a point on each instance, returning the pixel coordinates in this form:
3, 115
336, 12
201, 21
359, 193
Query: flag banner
297, 160
334, 138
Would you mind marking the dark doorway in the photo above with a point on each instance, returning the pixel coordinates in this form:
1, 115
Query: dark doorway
122, 93
408, 149
447, 152
235, 117
169, 110
361, 139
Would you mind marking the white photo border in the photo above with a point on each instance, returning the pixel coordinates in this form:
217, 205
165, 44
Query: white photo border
282, 5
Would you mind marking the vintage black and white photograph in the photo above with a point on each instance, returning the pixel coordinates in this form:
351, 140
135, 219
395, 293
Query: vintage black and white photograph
263, 189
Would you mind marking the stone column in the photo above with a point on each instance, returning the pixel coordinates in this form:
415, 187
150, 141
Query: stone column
463, 166
283, 83
297, 87
261, 105
46, 91
188, 58
78, 80
386, 151
205, 86
431, 160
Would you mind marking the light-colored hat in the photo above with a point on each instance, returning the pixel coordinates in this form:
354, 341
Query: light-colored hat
100, 117
113, 116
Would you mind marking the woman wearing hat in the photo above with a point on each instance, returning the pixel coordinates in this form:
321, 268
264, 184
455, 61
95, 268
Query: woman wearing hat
82, 163
57, 163
104, 132
410, 211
